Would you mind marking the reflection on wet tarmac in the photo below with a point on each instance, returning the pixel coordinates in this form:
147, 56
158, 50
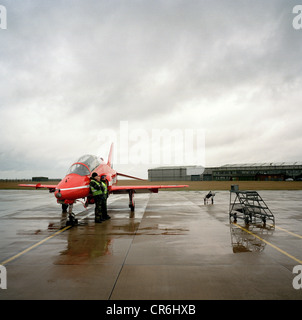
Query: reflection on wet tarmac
86, 243
89, 241
245, 242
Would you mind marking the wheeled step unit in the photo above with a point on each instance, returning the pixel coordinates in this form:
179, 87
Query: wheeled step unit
249, 206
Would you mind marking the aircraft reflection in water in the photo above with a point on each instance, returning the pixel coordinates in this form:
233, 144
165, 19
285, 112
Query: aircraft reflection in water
87, 242
243, 241
75, 185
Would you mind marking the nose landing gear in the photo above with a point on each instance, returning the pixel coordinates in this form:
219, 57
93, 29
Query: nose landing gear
72, 221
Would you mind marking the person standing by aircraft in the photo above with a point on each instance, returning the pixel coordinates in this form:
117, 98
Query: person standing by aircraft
105, 215
99, 191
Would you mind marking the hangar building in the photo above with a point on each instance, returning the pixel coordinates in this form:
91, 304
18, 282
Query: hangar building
273, 171
278, 171
181, 173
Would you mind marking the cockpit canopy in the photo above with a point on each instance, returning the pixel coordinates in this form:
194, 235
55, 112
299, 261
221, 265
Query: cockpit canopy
79, 167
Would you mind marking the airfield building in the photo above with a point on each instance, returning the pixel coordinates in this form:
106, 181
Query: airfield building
279, 171
230, 172
181, 173
39, 179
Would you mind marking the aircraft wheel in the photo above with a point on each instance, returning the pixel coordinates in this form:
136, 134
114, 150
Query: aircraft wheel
71, 222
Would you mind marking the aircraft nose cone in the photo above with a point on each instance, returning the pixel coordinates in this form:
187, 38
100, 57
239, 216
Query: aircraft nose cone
72, 187
58, 195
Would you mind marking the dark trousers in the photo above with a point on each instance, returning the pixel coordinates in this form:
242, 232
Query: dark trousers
100, 207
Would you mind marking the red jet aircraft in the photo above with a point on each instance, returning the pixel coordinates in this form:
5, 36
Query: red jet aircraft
75, 185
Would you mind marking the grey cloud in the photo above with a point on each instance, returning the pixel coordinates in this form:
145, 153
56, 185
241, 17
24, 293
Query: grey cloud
69, 70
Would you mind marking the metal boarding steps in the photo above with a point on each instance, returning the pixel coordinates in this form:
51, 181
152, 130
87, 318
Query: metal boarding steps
249, 206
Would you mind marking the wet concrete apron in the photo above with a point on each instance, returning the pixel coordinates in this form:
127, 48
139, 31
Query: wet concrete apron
173, 247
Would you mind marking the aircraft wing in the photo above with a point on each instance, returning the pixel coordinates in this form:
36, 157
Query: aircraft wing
143, 189
51, 187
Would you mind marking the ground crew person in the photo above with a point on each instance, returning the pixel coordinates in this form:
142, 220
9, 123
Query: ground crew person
99, 191
104, 199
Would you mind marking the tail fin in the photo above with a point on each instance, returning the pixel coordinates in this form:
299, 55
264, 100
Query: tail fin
110, 156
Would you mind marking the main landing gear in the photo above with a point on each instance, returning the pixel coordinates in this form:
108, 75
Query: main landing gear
131, 200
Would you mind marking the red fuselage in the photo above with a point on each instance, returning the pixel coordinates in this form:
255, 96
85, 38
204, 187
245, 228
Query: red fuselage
75, 184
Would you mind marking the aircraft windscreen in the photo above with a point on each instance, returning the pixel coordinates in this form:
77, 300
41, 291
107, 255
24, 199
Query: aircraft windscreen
78, 169
91, 161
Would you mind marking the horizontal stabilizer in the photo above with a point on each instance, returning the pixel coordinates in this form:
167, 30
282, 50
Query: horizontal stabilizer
131, 177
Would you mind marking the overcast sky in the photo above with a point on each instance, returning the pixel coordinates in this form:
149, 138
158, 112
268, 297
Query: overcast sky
71, 72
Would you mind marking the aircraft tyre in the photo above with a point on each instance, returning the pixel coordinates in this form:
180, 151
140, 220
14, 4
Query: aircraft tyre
72, 221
